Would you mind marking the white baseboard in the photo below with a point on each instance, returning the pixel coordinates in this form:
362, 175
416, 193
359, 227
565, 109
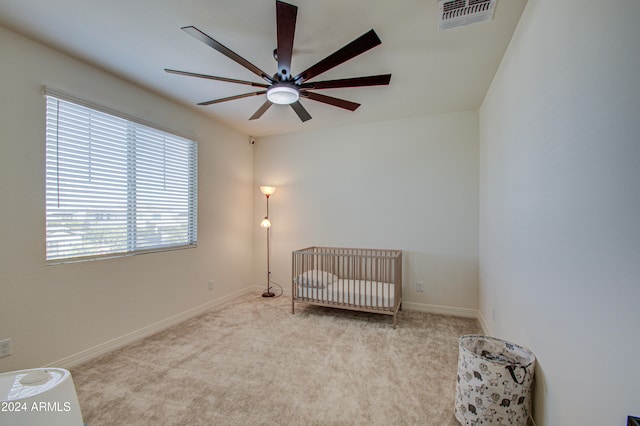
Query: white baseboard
410, 306
118, 342
424, 307
442, 310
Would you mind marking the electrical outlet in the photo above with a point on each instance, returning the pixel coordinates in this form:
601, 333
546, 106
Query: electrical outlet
5, 348
419, 286
210, 284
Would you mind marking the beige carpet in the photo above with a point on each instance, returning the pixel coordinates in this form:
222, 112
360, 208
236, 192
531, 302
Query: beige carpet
253, 363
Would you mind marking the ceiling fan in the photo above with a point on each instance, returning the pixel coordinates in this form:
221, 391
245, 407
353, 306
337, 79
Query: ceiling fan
282, 87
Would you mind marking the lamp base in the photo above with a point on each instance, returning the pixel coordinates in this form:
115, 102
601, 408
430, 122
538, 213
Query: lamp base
268, 294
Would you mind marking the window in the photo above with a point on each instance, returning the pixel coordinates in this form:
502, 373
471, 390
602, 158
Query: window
115, 186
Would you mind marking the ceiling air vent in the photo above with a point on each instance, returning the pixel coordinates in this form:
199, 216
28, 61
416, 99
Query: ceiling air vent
456, 13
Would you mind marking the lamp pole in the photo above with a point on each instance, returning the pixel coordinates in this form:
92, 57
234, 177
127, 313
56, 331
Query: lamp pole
267, 224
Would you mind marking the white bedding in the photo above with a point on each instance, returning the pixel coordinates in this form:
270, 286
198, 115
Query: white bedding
369, 294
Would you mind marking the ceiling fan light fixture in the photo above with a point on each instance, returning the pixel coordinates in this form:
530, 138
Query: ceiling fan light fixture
283, 95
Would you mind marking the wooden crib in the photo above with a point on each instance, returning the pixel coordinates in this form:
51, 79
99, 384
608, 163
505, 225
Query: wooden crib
368, 280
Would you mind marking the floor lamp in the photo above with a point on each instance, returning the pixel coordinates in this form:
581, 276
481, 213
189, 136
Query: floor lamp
266, 223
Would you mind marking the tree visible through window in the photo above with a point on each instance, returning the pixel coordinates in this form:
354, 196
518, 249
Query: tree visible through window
115, 186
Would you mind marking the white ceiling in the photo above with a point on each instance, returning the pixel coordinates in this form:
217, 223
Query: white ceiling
433, 71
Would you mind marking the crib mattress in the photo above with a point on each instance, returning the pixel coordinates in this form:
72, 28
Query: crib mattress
368, 294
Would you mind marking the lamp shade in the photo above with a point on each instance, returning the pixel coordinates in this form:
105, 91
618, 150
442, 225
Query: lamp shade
266, 223
267, 190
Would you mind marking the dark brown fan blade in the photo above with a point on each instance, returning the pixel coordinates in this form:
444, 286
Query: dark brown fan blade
212, 77
231, 98
341, 103
360, 45
302, 113
265, 106
286, 20
193, 31
373, 80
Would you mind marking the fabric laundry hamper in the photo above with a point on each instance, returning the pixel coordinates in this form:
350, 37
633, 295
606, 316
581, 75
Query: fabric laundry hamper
494, 382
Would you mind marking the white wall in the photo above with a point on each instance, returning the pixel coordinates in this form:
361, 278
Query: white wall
407, 184
560, 206
54, 313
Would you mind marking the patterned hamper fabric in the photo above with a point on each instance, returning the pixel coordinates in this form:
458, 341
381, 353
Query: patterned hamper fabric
494, 382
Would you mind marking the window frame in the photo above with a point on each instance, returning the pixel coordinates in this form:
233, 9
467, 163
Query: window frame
129, 245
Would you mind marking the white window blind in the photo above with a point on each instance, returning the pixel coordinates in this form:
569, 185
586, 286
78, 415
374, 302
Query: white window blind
114, 186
